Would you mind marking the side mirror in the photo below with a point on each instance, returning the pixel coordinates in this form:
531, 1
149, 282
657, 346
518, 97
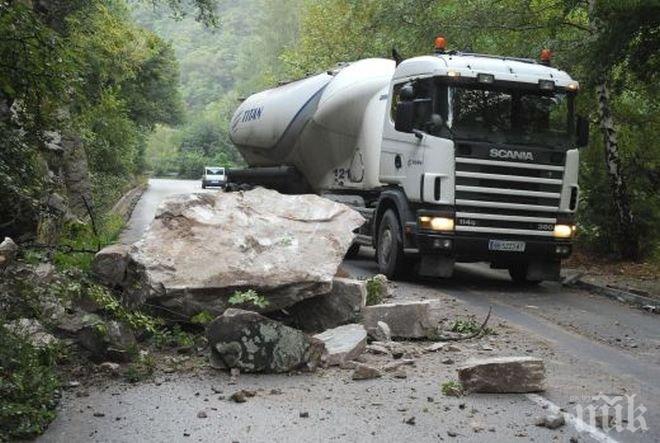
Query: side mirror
582, 132
405, 114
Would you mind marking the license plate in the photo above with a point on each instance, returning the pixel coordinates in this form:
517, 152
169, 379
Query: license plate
506, 246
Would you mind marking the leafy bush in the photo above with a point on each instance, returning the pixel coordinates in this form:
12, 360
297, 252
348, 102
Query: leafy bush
28, 386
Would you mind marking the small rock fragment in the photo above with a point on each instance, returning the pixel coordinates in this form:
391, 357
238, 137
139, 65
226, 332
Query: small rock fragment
410, 421
343, 343
400, 373
381, 332
366, 372
396, 365
435, 347
202, 414
242, 396
378, 350
304, 414
551, 421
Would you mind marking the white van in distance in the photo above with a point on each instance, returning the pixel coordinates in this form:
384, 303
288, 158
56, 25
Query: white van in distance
214, 176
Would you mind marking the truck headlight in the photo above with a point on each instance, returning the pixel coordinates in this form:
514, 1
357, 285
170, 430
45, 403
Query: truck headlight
436, 223
563, 231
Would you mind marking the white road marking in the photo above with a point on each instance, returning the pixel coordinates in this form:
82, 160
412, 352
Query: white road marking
579, 424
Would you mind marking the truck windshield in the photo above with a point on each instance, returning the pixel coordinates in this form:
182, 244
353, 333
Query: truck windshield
511, 116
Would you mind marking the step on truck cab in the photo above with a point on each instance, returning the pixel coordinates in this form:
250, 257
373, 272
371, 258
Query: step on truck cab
451, 157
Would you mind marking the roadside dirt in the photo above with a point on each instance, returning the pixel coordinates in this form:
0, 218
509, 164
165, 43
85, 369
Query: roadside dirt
638, 278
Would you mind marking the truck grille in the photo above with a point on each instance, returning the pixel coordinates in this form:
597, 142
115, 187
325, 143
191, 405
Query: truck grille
507, 197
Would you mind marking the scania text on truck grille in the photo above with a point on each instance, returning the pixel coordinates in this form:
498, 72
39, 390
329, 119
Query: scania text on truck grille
451, 157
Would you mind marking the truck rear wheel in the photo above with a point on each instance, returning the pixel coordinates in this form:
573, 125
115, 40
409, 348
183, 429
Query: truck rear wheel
518, 274
389, 247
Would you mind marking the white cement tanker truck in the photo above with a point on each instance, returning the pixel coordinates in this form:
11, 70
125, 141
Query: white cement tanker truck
450, 157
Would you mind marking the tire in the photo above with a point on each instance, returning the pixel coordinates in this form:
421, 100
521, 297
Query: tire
389, 247
353, 251
203, 185
518, 274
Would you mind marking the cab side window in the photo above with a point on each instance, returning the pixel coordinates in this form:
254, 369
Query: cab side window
422, 96
396, 97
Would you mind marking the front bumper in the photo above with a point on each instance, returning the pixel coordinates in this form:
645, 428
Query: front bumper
475, 247
215, 182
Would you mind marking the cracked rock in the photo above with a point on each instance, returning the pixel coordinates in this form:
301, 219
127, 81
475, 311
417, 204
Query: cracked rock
250, 342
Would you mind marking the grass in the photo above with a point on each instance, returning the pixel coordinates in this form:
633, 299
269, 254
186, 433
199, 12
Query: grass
141, 369
375, 290
452, 389
468, 325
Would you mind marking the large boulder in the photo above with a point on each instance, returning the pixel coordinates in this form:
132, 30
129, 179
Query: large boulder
201, 248
253, 343
411, 320
340, 306
503, 375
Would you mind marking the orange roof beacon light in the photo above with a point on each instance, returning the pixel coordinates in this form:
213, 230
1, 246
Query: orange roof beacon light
440, 44
546, 56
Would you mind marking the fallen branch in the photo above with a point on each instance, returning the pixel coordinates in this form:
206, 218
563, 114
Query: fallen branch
475, 334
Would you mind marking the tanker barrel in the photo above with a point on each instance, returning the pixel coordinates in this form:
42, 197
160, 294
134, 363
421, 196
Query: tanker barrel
284, 179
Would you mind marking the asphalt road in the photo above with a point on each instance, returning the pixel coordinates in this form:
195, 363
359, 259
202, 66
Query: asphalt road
145, 210
592, 347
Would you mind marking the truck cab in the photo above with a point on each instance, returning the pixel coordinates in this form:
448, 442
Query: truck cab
480, 155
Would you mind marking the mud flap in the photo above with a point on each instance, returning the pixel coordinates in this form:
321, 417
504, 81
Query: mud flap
436, 266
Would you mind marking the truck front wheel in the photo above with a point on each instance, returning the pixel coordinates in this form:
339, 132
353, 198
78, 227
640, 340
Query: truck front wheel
389, 247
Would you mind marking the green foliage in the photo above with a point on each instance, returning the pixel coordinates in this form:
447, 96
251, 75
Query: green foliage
452, 389
203, 318
249, 298
137, 320
81, 69
375, 290
81, 237
468, 325
218, 64
172, 337
141, 369
28, 386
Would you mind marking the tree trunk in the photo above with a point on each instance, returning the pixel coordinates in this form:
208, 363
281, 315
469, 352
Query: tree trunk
628, 238
628, 241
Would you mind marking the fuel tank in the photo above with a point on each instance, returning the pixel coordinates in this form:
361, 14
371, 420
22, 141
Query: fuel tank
329, 126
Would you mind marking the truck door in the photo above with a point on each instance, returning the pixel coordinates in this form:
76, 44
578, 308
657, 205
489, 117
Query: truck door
402, 153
